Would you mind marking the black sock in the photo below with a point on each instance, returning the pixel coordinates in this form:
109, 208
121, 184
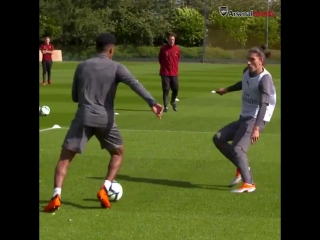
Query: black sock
49, 75
43, 77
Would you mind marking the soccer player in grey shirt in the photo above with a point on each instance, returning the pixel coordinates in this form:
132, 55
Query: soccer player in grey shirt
258, 104
238, 177
94, 88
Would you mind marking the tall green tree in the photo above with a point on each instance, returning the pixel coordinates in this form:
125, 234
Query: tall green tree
89, 23
258, 27
188, 25
137, 22
237, 28
49, 27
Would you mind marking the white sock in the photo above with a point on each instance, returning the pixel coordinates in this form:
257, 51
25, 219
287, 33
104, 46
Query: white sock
57, 191
107, 184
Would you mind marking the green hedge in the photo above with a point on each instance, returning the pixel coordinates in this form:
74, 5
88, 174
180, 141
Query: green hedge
131, 52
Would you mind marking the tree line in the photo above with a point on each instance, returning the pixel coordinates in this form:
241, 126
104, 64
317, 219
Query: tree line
147, 22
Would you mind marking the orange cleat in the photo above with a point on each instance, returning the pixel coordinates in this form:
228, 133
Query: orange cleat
237, 179
54, 204
246, 187
49, 81
103, 197
44, 83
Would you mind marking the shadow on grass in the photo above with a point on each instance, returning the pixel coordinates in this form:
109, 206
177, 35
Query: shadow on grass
132, 110
166, 182
75, 205
163, 182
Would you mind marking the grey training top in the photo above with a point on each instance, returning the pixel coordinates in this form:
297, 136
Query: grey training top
266, 90
94, 89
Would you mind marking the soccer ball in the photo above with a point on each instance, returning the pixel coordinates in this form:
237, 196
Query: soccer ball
115, 192
44, 111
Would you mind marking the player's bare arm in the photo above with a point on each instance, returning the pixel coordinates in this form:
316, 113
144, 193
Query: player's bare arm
74, 92
265, 88
124, 76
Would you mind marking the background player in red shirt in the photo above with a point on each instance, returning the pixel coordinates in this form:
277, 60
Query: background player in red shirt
47, 50
169, 56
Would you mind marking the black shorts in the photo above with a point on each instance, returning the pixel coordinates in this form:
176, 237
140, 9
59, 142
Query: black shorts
79, 135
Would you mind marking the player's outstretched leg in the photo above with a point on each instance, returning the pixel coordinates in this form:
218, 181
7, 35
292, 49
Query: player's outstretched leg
223, 136
241, 161
61, 169
232, 132
74, 142
111, 140
113, 169
240, 146
237, 179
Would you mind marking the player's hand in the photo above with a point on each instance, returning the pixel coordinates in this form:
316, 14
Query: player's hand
255, 136
157, 109
222, 91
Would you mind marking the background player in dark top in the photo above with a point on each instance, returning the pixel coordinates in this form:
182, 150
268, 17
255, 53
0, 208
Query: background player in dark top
169, 56
47, 50
94, 88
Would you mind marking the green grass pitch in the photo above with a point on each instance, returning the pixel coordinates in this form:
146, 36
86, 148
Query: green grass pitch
173, 177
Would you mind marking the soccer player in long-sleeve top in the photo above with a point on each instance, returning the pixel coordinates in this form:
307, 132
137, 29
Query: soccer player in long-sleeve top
258, 104
237, 179
169, 56
94, 88
47, 50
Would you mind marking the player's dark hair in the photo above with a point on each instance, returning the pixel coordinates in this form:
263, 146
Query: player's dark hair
258, 51
105, 41
267, 53
172, 35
